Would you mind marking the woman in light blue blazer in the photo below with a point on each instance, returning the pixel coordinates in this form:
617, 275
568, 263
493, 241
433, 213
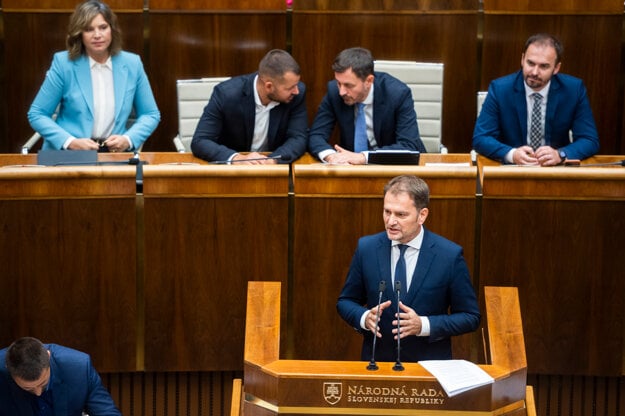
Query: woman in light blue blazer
94, 87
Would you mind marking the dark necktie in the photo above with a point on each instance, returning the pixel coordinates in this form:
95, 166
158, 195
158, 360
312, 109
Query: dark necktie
536, 134
361, 143
400, 269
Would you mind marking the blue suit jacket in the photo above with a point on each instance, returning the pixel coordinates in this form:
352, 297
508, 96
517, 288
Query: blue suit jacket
441, 289
227, 123
75, 384
394, 119
502, 123
68, 84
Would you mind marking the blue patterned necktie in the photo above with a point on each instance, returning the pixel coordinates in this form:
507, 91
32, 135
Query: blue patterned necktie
400, 270
361, 142
536, 124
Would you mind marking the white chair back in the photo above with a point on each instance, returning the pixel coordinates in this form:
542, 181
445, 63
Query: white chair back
426, 82
193, 95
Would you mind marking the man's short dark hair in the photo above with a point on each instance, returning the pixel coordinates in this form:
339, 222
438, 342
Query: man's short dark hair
27, 358
276, 63
415, 187
359, 60
545, 39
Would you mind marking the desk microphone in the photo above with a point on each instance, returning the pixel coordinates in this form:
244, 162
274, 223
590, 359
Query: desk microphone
227, 162
398, 366
381, 288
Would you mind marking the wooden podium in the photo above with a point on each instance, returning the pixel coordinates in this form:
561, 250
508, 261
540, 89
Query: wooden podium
293, 387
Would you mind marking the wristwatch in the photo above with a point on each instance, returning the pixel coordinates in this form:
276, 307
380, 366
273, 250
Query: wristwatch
562, 154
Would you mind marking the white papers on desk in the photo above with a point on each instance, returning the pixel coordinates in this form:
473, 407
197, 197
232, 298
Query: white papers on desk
457, 376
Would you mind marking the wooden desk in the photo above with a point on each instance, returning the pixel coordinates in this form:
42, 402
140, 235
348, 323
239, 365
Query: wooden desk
334, 206
558, 234
68, 256
208, 231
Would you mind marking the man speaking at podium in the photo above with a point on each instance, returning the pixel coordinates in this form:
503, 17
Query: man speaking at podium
426, 271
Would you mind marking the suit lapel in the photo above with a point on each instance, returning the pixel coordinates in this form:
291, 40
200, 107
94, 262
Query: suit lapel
82, 72
120, 79
378, 105
553, 102
249, 110
384, 266
424, 262
520, 102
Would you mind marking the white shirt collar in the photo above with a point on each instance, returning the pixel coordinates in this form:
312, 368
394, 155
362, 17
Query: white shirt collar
93, 63
415, 242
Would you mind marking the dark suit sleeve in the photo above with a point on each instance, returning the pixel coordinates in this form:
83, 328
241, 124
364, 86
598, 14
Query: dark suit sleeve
323, 124
206, 142
585, 137
487, 129
294, 140
464, 313
403, 117
354, 293
99, 401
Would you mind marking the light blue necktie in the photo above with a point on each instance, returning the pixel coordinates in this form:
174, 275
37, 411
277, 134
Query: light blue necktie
361, 142
400, 270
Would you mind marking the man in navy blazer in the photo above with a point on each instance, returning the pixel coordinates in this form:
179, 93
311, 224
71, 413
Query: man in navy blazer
259, 112
50, 380
391, 121
440, 301
502, 131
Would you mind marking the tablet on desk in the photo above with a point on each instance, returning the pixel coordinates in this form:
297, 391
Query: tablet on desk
394, 157
67, 157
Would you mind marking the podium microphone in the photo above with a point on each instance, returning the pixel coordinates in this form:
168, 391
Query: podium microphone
398, 366
381, 288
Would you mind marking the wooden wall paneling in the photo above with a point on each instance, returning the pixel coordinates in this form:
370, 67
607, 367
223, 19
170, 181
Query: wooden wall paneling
226, 5
69, 262
208, 232
386, 5
450, 38
562, 251
185, 45
554, 6
66, 5
338, 208
592, 52
31, 39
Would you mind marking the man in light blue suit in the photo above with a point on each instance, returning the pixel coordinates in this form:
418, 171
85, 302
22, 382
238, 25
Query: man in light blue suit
503, 130
389, 122
50, 380
250, 116
437, 299
95, 87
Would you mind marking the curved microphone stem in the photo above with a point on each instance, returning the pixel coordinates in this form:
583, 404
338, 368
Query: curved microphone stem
372, 365
398, 365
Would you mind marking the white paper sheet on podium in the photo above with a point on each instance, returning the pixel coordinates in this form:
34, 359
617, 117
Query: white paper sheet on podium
457, 376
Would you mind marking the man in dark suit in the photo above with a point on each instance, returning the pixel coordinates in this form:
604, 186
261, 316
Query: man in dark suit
50, 380
260, 112
389, 120
437, 297
503, 130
